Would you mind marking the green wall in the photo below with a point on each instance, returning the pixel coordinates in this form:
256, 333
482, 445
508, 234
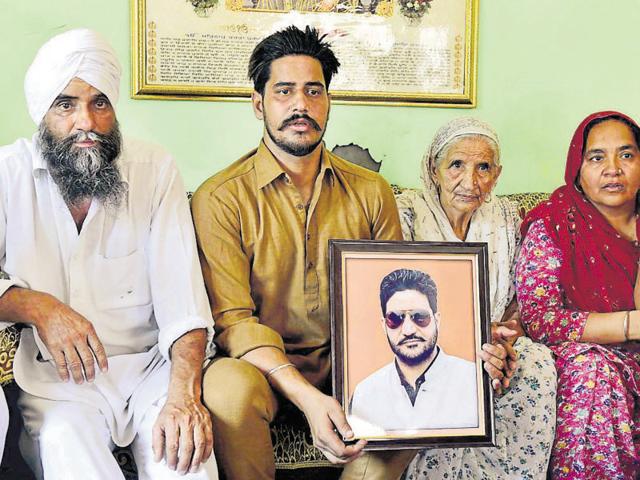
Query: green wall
543, 66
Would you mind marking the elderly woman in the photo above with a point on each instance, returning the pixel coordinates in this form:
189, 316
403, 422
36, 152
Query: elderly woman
577, 280
459, 172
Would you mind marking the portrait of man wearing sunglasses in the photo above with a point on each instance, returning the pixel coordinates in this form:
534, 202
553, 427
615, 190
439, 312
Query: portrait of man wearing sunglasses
423, 387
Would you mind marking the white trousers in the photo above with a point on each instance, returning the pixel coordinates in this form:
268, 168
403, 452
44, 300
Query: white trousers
4, 421
71, 440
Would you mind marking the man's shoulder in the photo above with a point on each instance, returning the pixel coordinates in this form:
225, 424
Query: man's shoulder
373, 381
229, 178
135, 150
349, 169
21, 151
458, 365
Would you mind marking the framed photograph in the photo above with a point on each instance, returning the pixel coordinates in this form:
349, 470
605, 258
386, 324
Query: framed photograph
402, 52
408, 320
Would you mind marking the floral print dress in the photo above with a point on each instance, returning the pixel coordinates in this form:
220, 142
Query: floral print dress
598, 385
524, 415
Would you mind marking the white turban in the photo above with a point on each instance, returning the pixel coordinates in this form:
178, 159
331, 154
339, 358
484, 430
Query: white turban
77, 53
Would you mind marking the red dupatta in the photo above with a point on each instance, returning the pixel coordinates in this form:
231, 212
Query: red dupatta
599, 267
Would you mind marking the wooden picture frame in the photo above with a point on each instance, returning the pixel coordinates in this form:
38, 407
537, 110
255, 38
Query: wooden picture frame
452, 406
399, 52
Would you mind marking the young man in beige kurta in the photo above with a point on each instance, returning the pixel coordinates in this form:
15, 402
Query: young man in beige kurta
263, 226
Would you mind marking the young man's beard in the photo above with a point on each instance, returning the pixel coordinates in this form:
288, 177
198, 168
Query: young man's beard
411, 358
84, 173
292, 147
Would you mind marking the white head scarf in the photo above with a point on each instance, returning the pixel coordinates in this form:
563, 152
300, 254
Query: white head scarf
77, 53
456, 128
495, 222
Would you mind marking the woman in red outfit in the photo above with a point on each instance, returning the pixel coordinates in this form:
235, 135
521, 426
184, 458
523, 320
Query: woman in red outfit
577, 279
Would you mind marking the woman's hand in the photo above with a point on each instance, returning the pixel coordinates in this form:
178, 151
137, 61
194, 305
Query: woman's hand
511, 320
500, 362
499, 357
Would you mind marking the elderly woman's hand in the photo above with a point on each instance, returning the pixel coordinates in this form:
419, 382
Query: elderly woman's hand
510, 320
499, 357
500, 362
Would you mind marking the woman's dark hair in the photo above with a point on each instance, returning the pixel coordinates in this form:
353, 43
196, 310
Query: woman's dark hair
291, 41
634, 128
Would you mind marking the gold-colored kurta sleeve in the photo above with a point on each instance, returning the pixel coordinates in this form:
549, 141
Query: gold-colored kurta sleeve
226, 269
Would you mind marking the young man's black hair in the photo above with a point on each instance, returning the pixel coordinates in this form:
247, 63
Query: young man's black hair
291, 41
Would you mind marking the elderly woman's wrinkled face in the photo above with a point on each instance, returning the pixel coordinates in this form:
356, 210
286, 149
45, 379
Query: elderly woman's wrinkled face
466, 175
610, 171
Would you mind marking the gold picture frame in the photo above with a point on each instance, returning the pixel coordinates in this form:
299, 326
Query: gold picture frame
398, 52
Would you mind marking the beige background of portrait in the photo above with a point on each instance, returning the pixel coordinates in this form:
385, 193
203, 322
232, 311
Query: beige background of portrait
454, 279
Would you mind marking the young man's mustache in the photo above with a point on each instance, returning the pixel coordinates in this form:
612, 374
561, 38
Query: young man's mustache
411, 338
298, 116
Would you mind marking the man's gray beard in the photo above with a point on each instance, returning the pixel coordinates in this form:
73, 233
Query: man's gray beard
83, 173
420, 357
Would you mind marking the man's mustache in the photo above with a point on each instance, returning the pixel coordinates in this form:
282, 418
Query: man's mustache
298, 116
67, 142
84, 136
411, 338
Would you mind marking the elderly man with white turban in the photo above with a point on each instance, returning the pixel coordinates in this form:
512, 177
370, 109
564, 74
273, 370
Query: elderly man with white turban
99, 264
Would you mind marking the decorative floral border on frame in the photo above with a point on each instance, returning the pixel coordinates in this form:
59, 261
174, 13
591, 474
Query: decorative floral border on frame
414, 10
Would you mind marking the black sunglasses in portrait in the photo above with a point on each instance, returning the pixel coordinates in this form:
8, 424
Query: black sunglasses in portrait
395, 318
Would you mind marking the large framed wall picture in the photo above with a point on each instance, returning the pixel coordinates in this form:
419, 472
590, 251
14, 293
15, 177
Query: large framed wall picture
401, 52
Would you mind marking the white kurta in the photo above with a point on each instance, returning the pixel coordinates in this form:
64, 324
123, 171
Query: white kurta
448, 398
134, 273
